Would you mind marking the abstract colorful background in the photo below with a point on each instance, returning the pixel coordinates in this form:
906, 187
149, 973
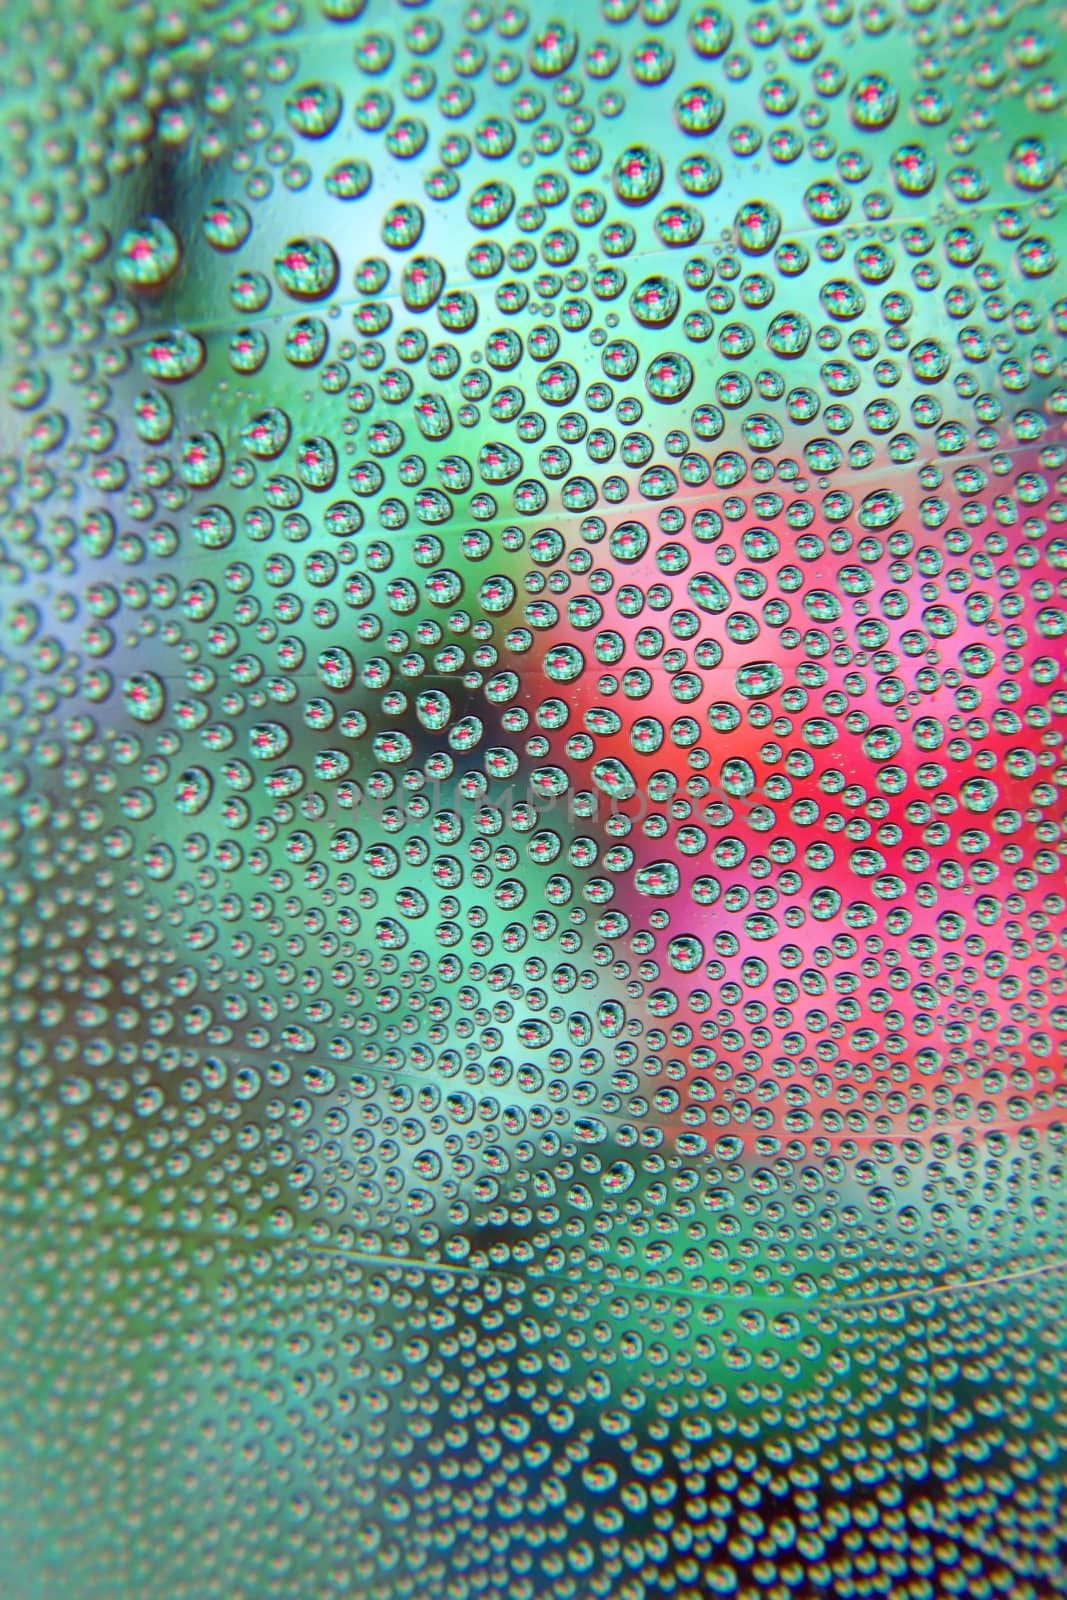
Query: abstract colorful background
533, 801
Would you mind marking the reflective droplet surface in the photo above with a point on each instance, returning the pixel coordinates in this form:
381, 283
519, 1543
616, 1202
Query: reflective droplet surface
306, 269
314, 110
148, 255
637, 175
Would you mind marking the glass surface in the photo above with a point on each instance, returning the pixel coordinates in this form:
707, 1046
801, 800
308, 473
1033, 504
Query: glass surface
533, 801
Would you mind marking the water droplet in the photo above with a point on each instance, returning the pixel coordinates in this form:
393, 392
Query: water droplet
147, 255
314, 110
306, 269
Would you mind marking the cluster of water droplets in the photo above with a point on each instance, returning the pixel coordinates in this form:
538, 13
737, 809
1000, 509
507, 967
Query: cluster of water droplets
532, 800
